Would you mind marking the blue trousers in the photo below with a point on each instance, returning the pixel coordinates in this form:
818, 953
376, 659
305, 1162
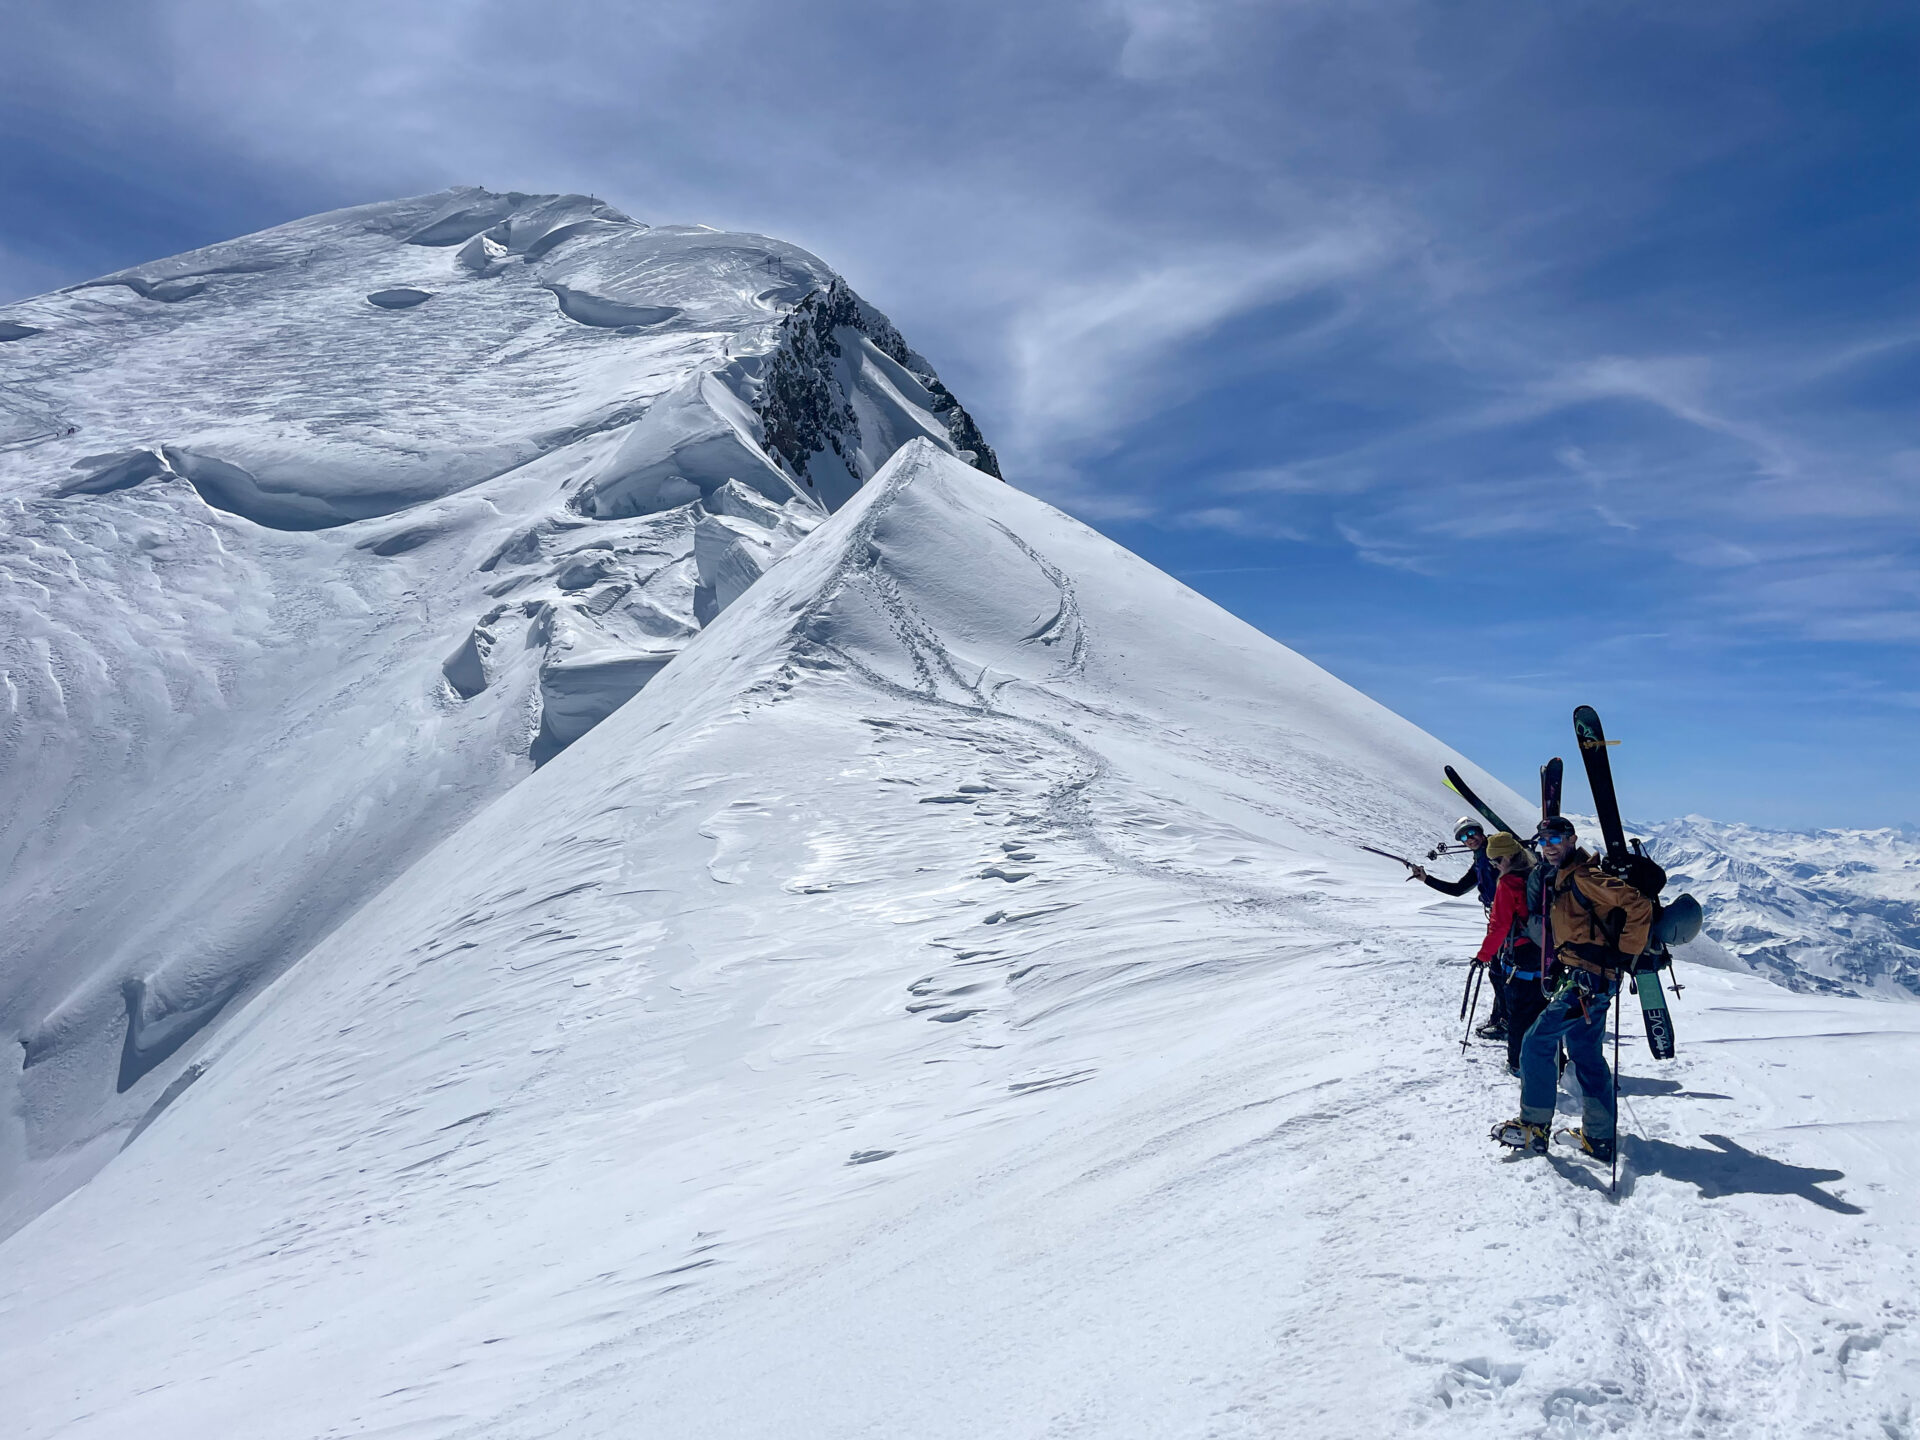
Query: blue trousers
1577, 1017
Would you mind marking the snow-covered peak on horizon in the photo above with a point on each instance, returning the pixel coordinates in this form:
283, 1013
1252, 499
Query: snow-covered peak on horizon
314, 541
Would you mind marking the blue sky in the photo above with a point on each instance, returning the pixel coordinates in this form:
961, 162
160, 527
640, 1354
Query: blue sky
1497, 357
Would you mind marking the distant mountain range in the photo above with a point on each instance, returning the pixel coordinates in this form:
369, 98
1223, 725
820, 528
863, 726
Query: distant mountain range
1835, 911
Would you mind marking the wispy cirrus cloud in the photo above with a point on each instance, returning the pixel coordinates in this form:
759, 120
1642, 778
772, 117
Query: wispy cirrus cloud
1367, 301
1093, 353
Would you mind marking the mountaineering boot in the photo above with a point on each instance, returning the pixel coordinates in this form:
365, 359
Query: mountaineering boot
1594, 1147
1492, 1030
1518, 1134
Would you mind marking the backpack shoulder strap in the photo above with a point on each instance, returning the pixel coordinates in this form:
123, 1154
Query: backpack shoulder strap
1572, 886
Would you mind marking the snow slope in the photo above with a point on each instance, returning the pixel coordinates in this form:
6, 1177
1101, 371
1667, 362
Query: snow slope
1825, 910
313, 542
948, 1002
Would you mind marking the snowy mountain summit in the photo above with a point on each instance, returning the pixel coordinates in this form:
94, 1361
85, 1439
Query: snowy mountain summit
577, 864
314, 541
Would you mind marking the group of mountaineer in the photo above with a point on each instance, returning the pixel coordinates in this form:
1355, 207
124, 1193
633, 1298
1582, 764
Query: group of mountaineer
1562, 931
1566, 931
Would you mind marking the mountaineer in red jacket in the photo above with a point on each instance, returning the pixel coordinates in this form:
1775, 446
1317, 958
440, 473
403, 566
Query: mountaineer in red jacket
1508, 948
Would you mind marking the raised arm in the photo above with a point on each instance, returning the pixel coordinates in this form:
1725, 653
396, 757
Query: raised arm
1451, 887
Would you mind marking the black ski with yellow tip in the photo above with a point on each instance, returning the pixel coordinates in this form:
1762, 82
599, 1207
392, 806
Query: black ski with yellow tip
1646, 981
1465, 792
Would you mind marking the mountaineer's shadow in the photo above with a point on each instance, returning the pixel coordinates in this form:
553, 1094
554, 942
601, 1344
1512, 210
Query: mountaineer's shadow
1732, 1169
1648, 1085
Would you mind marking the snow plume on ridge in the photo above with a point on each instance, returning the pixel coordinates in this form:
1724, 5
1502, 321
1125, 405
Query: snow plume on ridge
314, 541
947, 1002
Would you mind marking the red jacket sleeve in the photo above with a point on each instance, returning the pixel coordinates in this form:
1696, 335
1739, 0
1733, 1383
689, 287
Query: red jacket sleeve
1509, 905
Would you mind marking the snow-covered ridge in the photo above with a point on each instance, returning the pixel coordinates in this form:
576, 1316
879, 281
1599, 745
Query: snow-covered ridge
314, 541
951, 1002
1822, 910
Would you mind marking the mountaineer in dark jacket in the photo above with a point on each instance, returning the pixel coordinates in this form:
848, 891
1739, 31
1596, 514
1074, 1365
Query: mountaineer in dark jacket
1480, 877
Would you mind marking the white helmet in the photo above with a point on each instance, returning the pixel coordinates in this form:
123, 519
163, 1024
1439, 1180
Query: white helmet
1464, 824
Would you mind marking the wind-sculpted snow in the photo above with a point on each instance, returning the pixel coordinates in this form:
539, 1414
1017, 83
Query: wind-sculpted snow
315, 541
948, 1002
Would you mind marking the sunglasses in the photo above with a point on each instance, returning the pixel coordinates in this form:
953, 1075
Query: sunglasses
1555, 837
1474, 834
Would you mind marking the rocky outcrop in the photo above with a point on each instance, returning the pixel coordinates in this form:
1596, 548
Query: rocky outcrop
805, 412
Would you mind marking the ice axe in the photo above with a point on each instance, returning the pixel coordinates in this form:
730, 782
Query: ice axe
1389, 855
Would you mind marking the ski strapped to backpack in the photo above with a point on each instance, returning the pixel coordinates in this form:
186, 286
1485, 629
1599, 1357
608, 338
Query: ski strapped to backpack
1672, 925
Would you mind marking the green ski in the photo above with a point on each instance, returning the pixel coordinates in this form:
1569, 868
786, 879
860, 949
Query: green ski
1654, 1012
1465, 792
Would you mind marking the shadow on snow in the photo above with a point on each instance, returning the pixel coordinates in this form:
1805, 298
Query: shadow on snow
1729, 1168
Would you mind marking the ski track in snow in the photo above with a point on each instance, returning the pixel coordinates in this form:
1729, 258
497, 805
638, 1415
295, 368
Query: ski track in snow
882, 1027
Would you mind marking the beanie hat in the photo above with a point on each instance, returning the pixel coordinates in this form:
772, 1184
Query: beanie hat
1501, 845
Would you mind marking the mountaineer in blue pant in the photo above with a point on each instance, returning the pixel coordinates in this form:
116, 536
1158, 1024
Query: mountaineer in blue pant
1596, 923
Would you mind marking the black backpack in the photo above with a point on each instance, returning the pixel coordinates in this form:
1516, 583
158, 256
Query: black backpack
1644, 874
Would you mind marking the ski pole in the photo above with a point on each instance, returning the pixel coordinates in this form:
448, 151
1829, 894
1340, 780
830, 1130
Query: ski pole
1466, 990
1389, 855
1613, 1175
1479, 974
